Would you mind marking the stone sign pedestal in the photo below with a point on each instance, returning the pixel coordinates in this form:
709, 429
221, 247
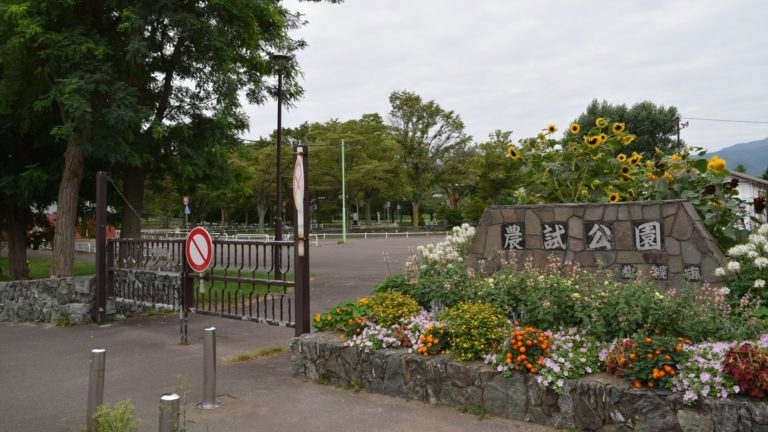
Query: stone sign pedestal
661, 240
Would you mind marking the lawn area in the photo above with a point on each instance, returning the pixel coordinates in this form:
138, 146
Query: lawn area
246, 288
39, 268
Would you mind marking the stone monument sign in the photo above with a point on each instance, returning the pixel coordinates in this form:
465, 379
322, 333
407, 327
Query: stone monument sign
662, 240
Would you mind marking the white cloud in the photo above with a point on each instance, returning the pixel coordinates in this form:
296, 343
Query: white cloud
522, 65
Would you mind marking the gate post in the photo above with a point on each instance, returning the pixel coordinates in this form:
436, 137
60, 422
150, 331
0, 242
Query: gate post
187, 296
301, 247
100, 303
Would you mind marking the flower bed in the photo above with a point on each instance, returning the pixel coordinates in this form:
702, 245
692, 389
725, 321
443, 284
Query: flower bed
546, 333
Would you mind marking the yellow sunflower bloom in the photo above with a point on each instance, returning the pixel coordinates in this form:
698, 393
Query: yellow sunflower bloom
541, 135
591, 141
575, 128
621, 157
601, 122
716, 164
551, 129
513, 153
676, 157
618, 127
603, 138
614, 197
625, 170
627, 139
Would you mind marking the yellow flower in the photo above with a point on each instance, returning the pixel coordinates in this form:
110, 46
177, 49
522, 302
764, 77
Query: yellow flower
676, 157
513, 153
625, 179
648, 164
551, 129
635, 158
328, 317
575, 128
614, 197
618, 127
621, 157
603, 138
668, 176
601, 122
624, 170
591, 141
627, 139
595, 183
631, 193
317, 317
541, 135
716, 164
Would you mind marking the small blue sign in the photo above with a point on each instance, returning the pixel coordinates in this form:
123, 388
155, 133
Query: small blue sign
186, 210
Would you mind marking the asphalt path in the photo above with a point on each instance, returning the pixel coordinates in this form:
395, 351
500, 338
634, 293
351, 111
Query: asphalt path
44, 369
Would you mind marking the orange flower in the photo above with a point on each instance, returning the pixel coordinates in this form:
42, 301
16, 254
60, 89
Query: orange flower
648, 340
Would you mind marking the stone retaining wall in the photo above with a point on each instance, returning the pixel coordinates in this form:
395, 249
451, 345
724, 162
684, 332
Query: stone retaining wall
54, 300
598, 403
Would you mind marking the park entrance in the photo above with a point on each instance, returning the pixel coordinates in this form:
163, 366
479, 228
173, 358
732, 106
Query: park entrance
264, 281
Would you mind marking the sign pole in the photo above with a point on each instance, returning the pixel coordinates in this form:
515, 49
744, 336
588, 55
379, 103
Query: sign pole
301, 233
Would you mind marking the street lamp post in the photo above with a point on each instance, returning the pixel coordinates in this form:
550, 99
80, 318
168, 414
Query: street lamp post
279, 62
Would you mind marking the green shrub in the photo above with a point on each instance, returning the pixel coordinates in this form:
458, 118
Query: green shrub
392, 307
117, 419
347, 317
476, 328
392, 283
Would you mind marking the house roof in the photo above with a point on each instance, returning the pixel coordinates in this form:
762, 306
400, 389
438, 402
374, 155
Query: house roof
753, 179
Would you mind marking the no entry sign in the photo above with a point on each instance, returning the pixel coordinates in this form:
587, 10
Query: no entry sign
199, 249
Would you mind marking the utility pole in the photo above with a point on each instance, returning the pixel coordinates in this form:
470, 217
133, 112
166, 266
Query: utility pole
343, 197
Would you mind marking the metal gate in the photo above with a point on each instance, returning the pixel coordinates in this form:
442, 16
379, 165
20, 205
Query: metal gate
265, 281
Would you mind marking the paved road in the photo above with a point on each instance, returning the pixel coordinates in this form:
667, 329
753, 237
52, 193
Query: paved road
44, 369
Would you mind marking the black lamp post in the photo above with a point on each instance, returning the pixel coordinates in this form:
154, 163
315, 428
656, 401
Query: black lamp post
279, 62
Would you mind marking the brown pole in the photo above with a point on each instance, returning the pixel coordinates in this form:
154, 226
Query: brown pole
100, 303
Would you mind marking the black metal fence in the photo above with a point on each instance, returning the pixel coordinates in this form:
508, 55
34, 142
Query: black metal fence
242, 281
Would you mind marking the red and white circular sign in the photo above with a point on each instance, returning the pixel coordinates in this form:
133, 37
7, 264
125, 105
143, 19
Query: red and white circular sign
199, 249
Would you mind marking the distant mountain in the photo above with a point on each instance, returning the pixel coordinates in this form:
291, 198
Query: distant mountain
753, 155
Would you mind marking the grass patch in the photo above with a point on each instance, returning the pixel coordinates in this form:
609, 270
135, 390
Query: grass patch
40, 268
256, 355
240, 290
160, 312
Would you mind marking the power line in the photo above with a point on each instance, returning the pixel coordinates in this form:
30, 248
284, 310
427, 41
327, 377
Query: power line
726, 121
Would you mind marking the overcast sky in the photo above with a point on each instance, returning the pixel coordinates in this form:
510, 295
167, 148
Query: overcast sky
520, 65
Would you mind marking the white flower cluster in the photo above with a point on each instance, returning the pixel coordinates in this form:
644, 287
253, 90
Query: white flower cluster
451, 250
374, 337
754, 253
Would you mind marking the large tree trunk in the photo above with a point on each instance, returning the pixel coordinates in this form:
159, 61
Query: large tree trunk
368, 211
66, 214
133, 190
415, 214
261, 208
17, 218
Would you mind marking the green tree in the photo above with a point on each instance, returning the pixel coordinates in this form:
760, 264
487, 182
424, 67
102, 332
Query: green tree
654, 125
426, 134
765, 174
497, 172
740, 168
128, 78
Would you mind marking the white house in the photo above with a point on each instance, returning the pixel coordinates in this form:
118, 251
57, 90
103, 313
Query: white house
751, 187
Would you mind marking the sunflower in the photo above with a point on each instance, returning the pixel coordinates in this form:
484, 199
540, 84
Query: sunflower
603, 138
591, 141
627, 139
635, 158
716, 164
625, 170
601, 122
614, 197
621, 157
625, 179
648, 164
551, 129
676, 157
575, 128
631, 193
618, 127
541, 136
513, 153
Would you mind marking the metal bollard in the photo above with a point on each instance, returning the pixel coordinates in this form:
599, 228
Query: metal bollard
169, 412
95, 386
209, 370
